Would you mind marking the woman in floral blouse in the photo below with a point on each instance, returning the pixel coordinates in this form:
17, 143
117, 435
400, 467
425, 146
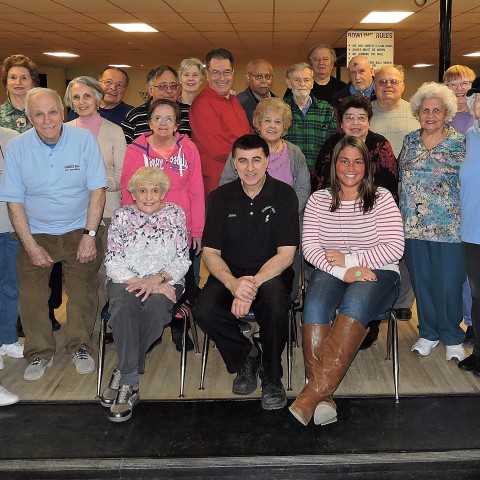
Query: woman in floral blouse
147, 258
430, 204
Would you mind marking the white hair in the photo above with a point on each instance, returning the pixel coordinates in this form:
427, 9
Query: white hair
435, 90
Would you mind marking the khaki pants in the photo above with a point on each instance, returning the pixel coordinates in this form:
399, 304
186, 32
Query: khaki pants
80, 287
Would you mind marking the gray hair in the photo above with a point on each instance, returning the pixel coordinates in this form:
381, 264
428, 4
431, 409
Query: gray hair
88, 82
190, 62
252, 63
471, 100
149, 175
310, 53
298, 66
399, 68
37, 90
435, 90
160, 70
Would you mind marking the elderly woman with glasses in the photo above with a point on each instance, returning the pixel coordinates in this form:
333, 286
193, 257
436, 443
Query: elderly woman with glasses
83, 96
162, 83
429, 166
191, 75
459, 78
147, 258
175, 154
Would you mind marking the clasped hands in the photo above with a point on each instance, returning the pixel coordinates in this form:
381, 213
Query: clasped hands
244, 289
148, 285
354, 274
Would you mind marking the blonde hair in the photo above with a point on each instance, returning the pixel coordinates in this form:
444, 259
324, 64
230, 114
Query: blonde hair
190, 62
149, 175
276, 104
458, 71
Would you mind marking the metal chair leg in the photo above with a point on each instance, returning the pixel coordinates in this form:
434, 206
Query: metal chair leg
183, 357
389, 336
193, 326
206, 342
101, 355
290, 349
396, 363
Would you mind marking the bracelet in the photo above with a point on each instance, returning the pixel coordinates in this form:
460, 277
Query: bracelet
164, 278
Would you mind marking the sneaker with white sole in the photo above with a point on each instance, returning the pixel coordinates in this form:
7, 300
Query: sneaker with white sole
6, 397
456, 352
14, 350
127, 398
110, 393
37, 367
423, 346
84, 363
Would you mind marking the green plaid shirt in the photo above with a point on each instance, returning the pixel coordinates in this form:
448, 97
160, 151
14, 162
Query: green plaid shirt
12, 118
310, 131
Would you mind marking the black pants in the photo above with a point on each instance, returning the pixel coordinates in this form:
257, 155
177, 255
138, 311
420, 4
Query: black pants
271, 307
472, 260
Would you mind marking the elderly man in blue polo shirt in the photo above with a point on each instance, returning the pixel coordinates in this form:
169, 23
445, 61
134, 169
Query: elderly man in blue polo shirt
54, 181
250, 238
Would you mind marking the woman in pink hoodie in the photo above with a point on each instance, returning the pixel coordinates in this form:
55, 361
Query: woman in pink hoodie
178, 157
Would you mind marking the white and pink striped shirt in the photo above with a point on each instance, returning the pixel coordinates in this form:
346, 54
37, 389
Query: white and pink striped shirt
374, 240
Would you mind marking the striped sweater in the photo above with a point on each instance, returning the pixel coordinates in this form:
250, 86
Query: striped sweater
374, 240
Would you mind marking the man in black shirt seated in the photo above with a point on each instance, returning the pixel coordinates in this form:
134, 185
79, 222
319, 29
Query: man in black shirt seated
250, 237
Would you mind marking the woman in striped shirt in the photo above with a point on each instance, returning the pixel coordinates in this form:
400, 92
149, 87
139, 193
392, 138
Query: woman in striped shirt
353, 235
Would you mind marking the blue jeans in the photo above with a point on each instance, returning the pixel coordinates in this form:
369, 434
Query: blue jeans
8, 289
364, 301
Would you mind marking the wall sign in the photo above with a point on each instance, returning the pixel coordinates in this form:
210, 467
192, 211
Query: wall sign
377, 46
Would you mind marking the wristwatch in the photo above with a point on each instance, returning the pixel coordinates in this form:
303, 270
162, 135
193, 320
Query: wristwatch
90, 233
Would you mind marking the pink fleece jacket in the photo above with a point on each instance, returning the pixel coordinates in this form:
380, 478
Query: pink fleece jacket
183, 168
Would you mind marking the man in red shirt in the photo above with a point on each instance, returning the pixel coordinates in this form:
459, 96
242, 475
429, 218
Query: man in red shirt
216, 117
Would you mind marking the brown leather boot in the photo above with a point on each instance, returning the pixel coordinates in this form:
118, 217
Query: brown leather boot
340, 347
313, 337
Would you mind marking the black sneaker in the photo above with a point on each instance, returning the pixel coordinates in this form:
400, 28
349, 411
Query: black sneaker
246, 380
273, 394
127, 398
176, 326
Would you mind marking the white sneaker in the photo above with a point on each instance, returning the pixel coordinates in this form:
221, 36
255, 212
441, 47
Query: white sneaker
456, 351
1, 363
14, 350
37, 367
83, 361
423, 346
6, 397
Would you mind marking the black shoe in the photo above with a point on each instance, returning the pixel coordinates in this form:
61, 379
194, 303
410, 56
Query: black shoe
470, 364
55, 325
245, 382
372, 335
20, 332
403, 313
469, 336
177, 340
273, 394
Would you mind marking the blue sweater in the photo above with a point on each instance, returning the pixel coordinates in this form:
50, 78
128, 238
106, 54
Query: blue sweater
470, 188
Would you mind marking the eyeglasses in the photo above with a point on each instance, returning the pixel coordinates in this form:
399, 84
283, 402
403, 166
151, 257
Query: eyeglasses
260, 77
351, 117
463, 84
392, 81
160, 119
218, 73
163, 87
110, 83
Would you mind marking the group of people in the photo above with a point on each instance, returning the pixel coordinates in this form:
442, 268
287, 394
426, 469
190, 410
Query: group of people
392, 216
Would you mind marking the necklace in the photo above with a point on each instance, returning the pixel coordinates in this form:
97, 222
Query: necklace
346, 238
277, 160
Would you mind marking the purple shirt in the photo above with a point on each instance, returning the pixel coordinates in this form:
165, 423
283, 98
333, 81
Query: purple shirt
462, 121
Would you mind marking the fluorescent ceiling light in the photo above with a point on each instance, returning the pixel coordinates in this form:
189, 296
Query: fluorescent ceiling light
385, 17
61, 54
422, 65
474, 54
133, 27
119, 65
